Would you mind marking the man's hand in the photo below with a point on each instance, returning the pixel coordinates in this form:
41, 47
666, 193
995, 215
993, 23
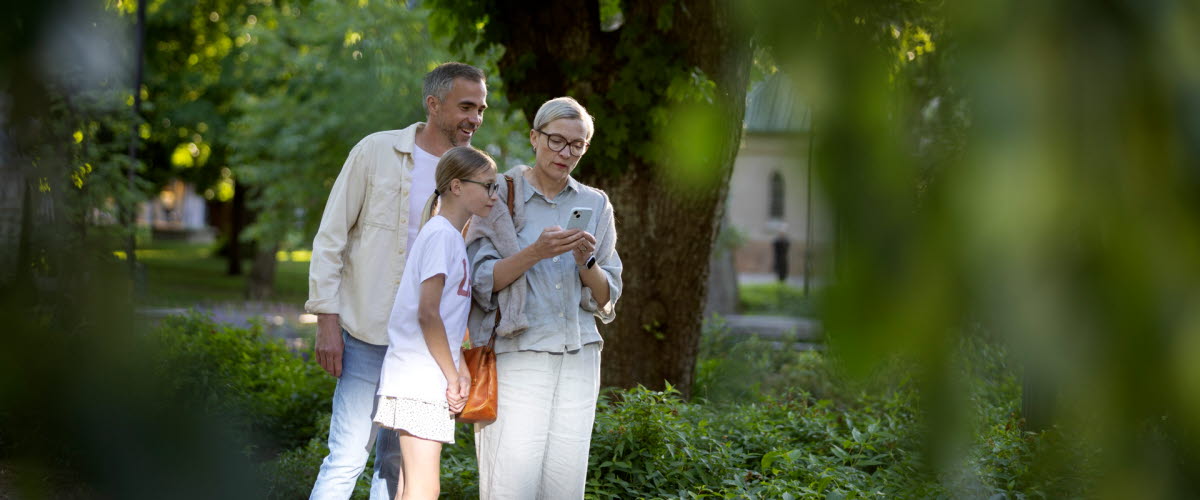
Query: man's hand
329, 344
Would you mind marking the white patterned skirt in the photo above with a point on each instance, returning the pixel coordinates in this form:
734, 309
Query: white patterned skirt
423, 419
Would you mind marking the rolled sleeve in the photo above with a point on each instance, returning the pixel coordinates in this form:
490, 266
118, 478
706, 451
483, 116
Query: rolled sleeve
610, 263
606, 312
483, 256
341, 213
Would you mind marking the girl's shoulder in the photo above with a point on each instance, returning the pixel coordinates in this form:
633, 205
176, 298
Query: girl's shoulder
438, 229
443, 227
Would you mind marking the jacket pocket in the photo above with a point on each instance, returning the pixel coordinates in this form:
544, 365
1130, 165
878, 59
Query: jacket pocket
383, 204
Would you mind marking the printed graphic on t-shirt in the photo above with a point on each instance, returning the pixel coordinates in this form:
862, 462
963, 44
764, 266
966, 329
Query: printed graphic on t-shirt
462, 285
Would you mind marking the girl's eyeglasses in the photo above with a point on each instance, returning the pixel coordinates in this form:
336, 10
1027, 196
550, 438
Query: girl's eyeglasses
491, 187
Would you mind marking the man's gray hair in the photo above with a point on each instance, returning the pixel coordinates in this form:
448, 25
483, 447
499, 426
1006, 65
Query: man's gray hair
440, 81
563, 107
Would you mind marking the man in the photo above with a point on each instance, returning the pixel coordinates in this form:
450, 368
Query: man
367, 229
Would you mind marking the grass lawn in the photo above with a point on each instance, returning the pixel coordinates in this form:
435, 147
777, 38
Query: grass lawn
183, 274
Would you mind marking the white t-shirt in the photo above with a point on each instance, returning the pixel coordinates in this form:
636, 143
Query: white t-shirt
408, 368
424, 181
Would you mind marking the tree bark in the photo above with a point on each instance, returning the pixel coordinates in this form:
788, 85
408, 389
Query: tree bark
236, 223
261, 282
665, 235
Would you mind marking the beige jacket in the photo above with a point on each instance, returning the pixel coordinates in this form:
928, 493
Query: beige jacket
359, 251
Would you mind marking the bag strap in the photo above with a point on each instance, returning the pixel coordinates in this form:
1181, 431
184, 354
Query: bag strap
509, 181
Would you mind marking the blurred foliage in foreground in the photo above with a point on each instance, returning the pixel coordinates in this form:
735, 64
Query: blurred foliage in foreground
1033, 167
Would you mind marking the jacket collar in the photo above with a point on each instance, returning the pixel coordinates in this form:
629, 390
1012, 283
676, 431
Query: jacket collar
407, 137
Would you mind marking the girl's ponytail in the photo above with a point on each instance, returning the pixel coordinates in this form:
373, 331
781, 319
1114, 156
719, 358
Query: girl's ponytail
431, 205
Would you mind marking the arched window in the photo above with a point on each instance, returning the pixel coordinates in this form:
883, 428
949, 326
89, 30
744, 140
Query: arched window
775, 200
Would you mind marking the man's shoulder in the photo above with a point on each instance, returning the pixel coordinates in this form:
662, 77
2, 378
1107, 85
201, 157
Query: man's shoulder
393, 138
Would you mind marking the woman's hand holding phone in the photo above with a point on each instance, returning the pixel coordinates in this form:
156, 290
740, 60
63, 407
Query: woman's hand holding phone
555, 241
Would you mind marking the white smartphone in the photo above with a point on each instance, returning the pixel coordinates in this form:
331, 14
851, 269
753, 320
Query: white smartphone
579, 219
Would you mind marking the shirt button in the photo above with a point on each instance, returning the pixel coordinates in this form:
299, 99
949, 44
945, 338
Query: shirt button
560, 315
556, 259
557, 286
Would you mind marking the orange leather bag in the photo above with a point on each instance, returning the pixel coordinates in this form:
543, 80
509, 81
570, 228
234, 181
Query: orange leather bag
481, 402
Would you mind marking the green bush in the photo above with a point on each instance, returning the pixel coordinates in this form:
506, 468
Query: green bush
769, 423
267, 394
291, 475
644, 445
736, 368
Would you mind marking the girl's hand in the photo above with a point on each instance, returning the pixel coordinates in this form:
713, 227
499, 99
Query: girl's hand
454, 399
464, 390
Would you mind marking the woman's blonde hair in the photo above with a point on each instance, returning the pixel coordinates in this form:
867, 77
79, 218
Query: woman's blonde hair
563, 107
461, 162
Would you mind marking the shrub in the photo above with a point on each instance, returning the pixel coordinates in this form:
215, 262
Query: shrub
648, 444
291, 475
737, 368
785, 426
267, 394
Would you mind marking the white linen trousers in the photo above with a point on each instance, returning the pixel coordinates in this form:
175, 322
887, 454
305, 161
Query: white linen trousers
537, 448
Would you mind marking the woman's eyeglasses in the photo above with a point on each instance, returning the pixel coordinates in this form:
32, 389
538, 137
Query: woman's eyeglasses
558, 142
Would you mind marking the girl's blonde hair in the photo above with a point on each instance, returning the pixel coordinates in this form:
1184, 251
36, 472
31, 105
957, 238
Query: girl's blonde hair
461, 162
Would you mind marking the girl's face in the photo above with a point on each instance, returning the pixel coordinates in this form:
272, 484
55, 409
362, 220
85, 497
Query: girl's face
479, 192
570, 135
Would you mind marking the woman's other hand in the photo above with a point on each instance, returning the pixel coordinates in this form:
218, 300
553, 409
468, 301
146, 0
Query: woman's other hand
584, 249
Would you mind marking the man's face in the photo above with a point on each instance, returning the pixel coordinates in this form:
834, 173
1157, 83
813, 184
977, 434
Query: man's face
460, 114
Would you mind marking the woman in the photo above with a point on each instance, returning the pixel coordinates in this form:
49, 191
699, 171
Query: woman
550, 285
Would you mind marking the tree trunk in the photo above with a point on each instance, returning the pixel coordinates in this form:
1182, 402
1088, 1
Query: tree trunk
236, 223
665, 236
261, 283
666, 242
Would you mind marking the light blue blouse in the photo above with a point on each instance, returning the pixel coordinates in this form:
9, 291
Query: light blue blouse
562, 313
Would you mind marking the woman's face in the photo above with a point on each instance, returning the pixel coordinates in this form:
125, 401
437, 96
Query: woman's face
557, 165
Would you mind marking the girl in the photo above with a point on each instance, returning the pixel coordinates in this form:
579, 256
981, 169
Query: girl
420, 388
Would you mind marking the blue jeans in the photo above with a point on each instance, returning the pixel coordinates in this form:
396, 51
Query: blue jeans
352, 431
